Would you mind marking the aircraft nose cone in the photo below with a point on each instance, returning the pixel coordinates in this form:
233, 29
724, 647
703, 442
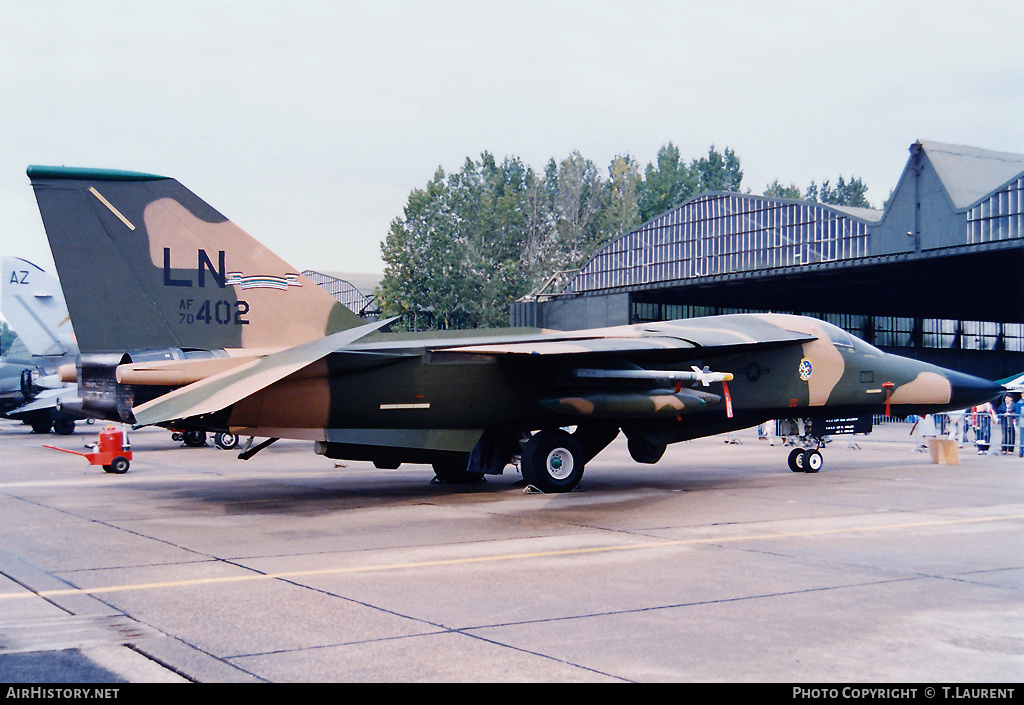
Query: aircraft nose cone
968, 390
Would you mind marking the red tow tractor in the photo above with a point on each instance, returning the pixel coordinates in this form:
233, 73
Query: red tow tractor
111, 451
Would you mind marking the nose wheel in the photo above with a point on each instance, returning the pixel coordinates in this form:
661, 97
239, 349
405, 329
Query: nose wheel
805, 460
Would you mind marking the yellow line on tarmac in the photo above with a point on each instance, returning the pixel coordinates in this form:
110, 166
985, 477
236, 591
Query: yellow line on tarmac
495, 558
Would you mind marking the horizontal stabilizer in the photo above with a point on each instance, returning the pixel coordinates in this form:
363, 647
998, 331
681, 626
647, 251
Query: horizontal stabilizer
224, 389
65, 398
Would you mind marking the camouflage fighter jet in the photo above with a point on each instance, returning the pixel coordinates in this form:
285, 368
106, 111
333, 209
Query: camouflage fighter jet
184, 320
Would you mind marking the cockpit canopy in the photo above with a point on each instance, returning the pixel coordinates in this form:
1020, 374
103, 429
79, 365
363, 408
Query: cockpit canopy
841, 338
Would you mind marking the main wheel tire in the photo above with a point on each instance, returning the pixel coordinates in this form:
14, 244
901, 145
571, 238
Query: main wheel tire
118, 466
226, 441
194, 439
452, 470
796, 460
552, 461
813, 461
643, 451
41, 425
64, 427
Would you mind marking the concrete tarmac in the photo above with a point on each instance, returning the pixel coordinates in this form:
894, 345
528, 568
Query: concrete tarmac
718, 564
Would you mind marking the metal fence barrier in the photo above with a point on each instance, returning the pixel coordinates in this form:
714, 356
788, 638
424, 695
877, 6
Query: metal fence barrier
988, 431
985, 431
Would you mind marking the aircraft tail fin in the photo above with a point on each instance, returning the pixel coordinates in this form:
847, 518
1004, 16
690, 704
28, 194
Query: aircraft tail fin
146, 264
33, 304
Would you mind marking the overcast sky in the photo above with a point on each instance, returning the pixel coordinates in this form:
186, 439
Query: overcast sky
308, 122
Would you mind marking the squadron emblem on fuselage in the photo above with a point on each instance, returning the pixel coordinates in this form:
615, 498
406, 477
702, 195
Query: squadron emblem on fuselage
805, 369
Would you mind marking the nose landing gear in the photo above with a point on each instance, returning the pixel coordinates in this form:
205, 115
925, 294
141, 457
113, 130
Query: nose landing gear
805, 460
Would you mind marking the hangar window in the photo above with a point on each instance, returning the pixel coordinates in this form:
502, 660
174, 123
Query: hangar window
1000, 217
646, 313
893, 331
939, 333
1013, 337
980, 335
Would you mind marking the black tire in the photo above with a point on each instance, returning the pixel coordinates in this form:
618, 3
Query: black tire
225, 441
643, 451
813, 461
552, 461
64, 427
452, 470
194, 439
118, 466
41, 425
796, 460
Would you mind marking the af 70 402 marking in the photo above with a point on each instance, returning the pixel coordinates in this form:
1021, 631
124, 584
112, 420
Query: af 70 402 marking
221, 312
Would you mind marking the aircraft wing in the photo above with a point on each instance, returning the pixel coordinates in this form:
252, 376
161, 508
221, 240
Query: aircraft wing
701, 336
1014, 383
225, 388
626, 343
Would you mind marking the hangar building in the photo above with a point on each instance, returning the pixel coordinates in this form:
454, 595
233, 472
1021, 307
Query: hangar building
356, 291
937, 275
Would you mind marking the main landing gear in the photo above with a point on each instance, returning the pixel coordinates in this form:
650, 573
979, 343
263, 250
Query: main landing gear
805, 460
224, 440
552, 461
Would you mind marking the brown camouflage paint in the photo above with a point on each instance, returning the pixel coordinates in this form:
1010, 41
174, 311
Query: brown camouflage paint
827, 363
270, 314
926, 388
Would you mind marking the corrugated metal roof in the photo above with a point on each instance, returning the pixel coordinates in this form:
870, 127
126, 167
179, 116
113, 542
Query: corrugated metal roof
365, 282
970, 174
870, 215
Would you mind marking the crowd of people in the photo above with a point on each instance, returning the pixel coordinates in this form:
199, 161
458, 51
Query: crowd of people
979, 424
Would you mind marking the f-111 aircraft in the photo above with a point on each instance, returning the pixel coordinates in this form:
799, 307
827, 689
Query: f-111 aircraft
185, 321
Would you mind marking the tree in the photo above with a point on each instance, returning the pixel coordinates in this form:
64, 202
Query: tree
718, 171
577, 200
454, 260
567, 218
666, 184
622, 202
423, 274
845, 193
470, 243
671, 182
776, 190
488, 201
